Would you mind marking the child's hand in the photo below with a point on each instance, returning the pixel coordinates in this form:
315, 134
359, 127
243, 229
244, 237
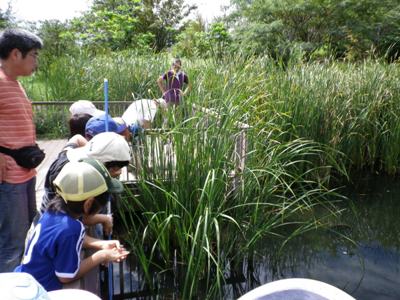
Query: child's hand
78, 139
107, 224
111, 244
115, 255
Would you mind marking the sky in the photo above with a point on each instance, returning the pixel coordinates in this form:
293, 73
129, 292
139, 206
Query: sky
34, 10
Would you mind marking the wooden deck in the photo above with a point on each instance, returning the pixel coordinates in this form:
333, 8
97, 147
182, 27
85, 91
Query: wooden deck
51, 148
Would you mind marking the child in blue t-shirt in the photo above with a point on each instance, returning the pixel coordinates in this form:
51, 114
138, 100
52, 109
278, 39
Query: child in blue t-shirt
52, 256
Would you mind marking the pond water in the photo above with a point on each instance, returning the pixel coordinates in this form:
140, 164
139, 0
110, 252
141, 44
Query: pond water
361, 255
372, 269
368, 267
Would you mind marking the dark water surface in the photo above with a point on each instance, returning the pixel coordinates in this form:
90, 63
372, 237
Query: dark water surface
369, 267
360, 255
371, 270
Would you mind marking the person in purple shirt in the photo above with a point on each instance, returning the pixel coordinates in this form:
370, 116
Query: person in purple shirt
172, 83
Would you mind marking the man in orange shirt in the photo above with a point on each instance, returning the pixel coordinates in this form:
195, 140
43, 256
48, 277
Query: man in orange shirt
18, 57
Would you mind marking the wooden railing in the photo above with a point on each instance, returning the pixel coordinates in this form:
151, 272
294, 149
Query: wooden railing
117, 108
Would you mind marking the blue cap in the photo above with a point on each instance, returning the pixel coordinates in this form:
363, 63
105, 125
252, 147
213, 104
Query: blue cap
96, 125
135, 129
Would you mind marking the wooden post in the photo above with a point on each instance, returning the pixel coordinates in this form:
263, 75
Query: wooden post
240, 156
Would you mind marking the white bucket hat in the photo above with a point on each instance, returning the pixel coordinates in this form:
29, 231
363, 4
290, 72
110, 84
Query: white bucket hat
105, 147
161, 102
141, 110
85, 107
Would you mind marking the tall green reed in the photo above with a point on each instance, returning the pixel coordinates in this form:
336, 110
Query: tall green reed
309, 123
191, 212
81, 77
353, 108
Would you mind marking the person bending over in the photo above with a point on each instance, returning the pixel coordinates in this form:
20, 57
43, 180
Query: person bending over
53, 253
110, 148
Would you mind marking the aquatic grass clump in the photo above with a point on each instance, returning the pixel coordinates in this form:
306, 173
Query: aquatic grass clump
197, 214
353, 108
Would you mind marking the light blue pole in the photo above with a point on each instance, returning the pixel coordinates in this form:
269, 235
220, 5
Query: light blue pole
110, 265
106, 101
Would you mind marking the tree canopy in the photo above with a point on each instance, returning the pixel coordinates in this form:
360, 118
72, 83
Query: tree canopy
310, 29
122, 24
6, 18
349, 28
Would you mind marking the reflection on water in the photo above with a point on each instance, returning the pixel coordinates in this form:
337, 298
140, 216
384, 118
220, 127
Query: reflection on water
360, 255
368, 269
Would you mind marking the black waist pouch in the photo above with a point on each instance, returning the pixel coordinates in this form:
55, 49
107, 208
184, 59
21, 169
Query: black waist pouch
28, 157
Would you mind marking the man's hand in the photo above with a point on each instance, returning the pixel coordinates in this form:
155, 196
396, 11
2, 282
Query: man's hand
2, 167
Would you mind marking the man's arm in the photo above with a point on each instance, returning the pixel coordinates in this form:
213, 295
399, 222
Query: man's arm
2, 168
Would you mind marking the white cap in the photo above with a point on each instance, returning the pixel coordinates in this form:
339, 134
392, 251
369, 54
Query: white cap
139, 111
296, 288
21, 285
85, 107
161, 102
68, 294
105, 147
